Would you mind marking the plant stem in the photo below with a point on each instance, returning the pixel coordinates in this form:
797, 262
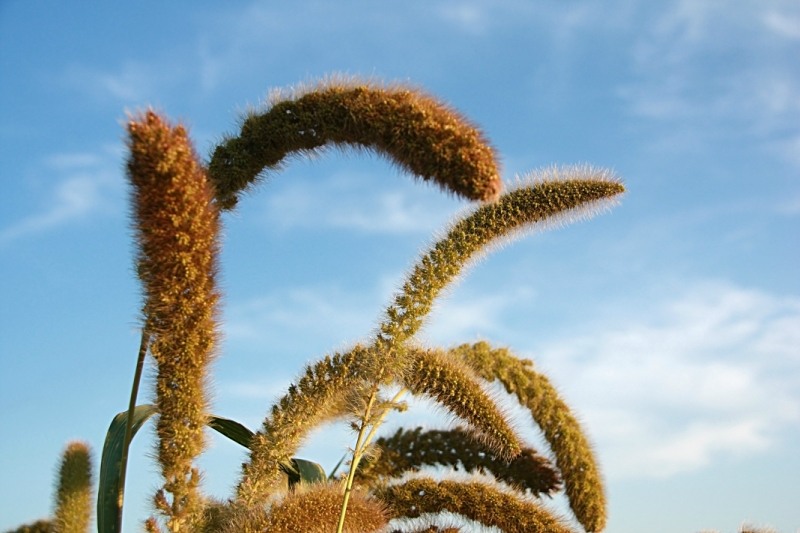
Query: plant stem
123, 463
362, 443
371, 435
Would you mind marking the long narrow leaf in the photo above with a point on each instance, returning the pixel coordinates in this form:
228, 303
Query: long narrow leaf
231, 429
109, 492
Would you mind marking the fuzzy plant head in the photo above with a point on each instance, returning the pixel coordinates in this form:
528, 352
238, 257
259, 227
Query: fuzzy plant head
177, 202
414, 131
177, 228
74, 493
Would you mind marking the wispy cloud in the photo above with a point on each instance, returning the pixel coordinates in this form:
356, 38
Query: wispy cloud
466, 316
334, 315
710, 372
360, 203
85, 184
782, 23
673, 386
713, 71
132, 82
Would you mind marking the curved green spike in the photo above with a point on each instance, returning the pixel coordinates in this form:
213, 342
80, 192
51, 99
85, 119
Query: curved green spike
573, 453
555, 194
454, 386
307, 404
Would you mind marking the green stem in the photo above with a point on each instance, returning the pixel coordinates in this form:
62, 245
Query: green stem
123, 463
371, 435
357, 453
362, 443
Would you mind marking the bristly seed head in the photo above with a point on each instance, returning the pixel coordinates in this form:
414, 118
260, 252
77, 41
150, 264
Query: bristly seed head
177, 230
418, 133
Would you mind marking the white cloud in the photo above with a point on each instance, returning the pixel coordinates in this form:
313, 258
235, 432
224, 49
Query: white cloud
130, 83
466, 317
783, 24
83, 188
293, 313
469, 17
713, 71
355, 202
709, 372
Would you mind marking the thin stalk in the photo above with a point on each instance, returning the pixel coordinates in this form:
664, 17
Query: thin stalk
362, 443
123, 464
371, 435
357, 452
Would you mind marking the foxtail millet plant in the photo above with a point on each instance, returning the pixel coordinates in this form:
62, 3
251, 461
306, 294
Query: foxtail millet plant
482, 500
176, 206
177, 228
573, 453
416, 132
408, 451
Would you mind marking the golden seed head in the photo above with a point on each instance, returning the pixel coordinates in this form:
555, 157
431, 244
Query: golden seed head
481, 500
177, 230
419, 134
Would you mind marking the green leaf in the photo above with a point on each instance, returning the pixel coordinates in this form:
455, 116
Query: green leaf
109, 493
303, 471
332, 475
231, 429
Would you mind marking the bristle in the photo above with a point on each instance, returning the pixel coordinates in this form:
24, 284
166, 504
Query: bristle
311, 401
454, 386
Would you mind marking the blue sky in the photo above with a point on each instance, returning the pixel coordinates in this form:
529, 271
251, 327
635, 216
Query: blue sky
670, 324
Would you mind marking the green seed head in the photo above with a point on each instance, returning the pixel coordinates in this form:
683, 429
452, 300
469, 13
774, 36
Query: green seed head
573, 453
74, 495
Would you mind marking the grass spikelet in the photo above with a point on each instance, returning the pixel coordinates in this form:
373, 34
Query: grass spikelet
177, 228
311, 401
553, 195
573, 453
480, 500
74, 494
415, 131
455, 387
409, 450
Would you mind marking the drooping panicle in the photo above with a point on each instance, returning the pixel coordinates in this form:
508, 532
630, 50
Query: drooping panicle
455, 387
481, 500
313, 400
177, 231
416, 132
555, 194
410, 450
573, 453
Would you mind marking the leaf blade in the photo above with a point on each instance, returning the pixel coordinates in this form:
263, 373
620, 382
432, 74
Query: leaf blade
109, 493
